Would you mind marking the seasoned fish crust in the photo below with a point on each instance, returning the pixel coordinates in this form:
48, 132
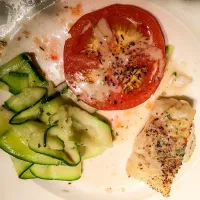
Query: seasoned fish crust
159, 149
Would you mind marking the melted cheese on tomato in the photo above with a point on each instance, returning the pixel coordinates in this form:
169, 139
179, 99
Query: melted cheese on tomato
95, 86
105, 30
114, 61
92, 85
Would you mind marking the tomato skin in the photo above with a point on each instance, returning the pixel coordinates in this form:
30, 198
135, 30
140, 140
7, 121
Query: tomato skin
133, 12
76, 61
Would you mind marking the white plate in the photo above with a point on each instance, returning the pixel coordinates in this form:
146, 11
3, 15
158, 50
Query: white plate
108, 170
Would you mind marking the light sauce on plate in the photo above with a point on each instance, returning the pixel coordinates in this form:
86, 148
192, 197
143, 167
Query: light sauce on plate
45, 34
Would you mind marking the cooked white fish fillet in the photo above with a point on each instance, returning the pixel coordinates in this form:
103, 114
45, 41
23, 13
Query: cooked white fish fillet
160, 148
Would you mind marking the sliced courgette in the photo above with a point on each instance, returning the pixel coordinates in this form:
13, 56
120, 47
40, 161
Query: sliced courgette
24, 63
31, 113
27, 98
50, 107
92, 135
62, 87
22, 168
27, 175
5, 116
55, 131
91, 151
72, 99
36, 75
61, 119
51, 89
4, 86
88, 130
15, 142
64, 173
54, 119
52, 141
69, 146
16, 81
55, 143
70, 155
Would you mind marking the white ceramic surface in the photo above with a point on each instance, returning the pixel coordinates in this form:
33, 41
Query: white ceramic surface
179, 20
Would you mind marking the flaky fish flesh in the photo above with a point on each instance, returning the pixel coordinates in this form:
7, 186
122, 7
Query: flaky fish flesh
162, 146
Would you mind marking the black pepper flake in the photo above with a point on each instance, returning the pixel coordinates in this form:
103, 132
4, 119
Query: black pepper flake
56, 122
41, 110
117, 40
42, 48
132, 43
39, 145
63, 90
123, 51
48, 114
122, 37
115, 102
